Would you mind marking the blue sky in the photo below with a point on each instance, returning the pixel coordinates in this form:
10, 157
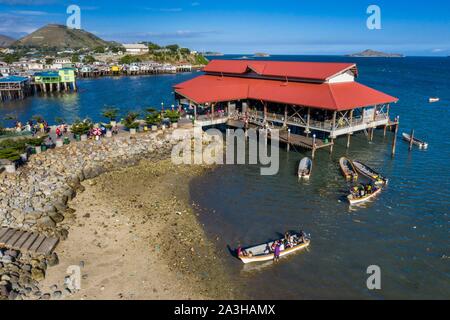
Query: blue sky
248, 26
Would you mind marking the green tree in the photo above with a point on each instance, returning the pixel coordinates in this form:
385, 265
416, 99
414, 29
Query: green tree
99, 50
110, 113
153, 46
128, 59
75, 58
173, 116
153, 117
173, 47
185, 51
89, 59
130, 120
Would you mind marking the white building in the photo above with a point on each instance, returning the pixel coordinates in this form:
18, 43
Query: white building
136, 48
60, 63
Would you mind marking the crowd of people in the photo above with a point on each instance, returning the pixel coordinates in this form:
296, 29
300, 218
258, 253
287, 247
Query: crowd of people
34, 127
289, 241
363, 190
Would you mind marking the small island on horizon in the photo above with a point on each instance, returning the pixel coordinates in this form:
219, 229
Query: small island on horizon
375, 54
261, 55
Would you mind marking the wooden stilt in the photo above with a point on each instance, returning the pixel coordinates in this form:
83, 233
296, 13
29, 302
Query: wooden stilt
394, 139
313, 147
349, 136
289, 140
332, 146
385, 129
411, 141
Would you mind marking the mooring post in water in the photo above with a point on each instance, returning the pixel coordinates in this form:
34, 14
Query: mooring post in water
348, 140
332, 146
289, 139
411, 140
314, 146
394, 138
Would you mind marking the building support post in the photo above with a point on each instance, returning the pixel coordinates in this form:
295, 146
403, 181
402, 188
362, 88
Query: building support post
332, 146
285, 115
308, 119
265, 111
212, 111
289, 139
313, 147
394, 138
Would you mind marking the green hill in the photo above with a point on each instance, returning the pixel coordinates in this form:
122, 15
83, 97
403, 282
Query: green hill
60, 37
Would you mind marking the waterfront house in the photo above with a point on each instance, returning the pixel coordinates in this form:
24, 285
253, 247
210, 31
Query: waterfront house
14, 87
136, 48
60, 63
302, 98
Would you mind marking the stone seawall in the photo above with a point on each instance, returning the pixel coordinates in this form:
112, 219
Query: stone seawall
35, 197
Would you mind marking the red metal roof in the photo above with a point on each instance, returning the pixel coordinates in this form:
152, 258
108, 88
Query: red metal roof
330, 96
319, 71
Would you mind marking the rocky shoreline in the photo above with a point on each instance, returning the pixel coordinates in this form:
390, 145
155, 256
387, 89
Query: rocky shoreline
36, 198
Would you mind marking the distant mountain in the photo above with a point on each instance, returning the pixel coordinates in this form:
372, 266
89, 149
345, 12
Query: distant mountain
5, 41
376, 54
60, 37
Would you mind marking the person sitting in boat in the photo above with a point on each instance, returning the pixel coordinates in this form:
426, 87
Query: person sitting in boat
368, 189
274, 245
267, 250
240, 252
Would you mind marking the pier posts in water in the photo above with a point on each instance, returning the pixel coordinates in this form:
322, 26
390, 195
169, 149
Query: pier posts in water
289, 140
313, 147
412, 140
348, 140
394, 138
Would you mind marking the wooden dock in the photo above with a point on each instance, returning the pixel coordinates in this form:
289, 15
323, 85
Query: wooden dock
25, 241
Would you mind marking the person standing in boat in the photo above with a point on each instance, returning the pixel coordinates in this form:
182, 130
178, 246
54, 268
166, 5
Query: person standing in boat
277, 252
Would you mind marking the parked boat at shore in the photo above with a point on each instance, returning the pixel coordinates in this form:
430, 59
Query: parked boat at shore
421, 144
370, 173
348, 169
263, 252
305, 168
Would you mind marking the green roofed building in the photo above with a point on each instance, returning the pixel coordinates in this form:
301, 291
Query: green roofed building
56, 80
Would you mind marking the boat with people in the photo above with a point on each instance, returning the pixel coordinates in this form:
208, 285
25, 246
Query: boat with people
291, 243
363, 193
421, 144
348, 169
305, 168
368, 172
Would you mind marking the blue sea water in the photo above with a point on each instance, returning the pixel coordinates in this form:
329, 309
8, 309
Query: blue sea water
406, 231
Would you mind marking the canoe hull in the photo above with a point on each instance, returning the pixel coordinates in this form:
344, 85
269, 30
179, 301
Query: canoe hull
269, 257
367, 172
348, 169
417, 142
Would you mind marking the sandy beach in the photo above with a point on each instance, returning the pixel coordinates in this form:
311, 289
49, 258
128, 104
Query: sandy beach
135, 236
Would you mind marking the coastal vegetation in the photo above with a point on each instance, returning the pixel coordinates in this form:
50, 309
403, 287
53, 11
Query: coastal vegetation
130, 120
81, 127
110, 113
